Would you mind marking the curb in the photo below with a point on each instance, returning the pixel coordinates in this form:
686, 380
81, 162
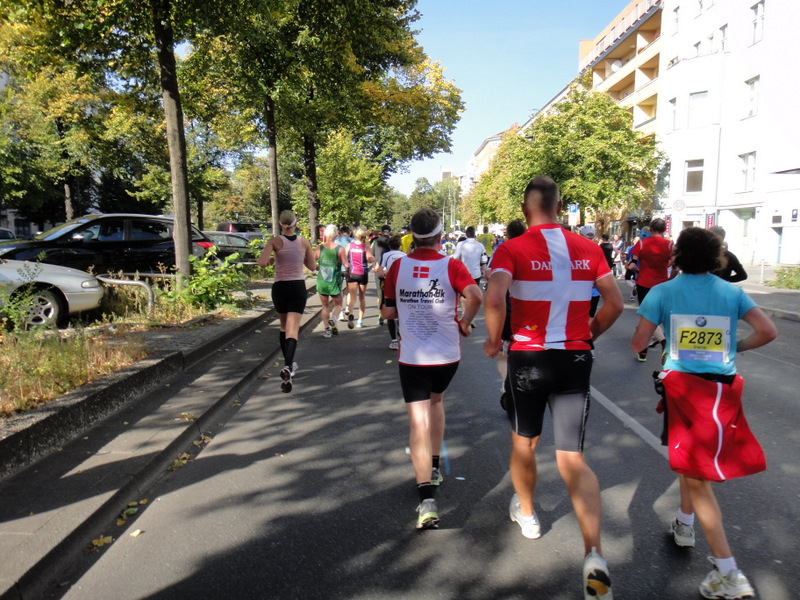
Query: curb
44, 573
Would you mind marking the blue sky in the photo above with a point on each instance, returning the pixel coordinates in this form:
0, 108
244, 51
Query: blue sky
508, 57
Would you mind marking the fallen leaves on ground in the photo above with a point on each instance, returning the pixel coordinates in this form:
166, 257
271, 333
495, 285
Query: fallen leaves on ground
179, 462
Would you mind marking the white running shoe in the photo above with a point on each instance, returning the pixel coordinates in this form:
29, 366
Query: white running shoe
327, 333
682, 534
596, 580
287, 376
530, 527
436, 477
732, 586
394, 345
342, 316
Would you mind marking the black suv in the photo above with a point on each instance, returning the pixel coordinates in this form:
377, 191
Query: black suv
111, 242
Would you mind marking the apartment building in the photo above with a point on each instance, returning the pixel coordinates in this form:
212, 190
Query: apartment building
480, 161
729, 124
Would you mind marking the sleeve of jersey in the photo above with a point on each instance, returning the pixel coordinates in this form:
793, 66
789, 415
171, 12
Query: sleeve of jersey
746, 303
459, 275
390, 283
502, 260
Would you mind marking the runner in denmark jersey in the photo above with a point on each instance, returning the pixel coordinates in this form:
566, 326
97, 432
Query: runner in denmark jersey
426, 287
552, 273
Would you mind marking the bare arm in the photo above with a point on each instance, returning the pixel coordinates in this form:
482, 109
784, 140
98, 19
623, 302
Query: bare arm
310, 262
764, 330
343, 258
641, 337
494, 310
473, 298
610, 310
266, 259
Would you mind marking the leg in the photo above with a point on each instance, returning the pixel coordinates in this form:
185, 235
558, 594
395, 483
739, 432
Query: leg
290, 325
523, 470
437, 421
325, 311
362, 300
709, 515
419, 439
686, 498
584, 491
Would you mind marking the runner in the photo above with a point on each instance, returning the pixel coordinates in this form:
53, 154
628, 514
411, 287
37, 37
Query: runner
423, 290
359, 257
705, 430
472, 253
289, 295
387, 260
330, 258
380, 244
344, 240
487, 239
549, 273
652, 256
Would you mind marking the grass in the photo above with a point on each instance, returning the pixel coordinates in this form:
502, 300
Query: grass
38, 366
787, 278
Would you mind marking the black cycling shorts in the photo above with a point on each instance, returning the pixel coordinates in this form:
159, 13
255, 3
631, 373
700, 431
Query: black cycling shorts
289, 296
419, 382
555, 378
359, 279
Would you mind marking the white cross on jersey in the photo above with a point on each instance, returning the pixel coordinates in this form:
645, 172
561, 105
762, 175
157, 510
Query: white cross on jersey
559, 292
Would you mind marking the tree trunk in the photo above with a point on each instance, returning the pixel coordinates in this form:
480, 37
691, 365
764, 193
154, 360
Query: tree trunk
68, 202
176, 139
310, 164
272, 140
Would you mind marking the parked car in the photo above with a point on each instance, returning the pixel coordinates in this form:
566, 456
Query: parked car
106, 243
6, 234
55, 291
243, 227
228, 243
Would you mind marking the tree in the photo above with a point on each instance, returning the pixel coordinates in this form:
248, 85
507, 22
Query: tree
586, 144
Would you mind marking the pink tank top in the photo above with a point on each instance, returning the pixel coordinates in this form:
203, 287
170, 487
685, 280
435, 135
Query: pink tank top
289, 260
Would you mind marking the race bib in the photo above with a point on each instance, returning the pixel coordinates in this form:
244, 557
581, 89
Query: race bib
698, 337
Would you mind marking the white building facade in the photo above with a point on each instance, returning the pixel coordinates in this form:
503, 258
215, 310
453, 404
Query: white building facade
729, 125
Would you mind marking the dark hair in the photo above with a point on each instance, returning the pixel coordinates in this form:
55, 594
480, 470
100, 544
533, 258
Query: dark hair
344, 229
515, 228
697, 251
718, 231
658, 226
605, 237
470, 231
394, 242
485, 229
424, 221
548, 190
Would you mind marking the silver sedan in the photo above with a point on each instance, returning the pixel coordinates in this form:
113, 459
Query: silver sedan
55, 291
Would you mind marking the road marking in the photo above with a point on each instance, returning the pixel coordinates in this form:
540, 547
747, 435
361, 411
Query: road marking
630, 422
772, 358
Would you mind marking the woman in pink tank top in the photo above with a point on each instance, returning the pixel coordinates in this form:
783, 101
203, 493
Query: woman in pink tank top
359, 257
291, 252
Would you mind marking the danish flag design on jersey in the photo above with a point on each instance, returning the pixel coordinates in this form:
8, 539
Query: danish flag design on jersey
421, 272
552, 272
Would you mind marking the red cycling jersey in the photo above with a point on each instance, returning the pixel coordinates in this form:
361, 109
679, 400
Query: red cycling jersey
552, 275
653, 254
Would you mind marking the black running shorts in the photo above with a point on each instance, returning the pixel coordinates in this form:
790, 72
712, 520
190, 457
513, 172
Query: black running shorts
419, 382
359, 279
289, 296
558, 378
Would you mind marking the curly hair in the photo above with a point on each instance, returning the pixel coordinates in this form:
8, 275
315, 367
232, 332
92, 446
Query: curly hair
697, 251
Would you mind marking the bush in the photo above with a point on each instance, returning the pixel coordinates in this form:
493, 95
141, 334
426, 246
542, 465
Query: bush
786, 278
211, 284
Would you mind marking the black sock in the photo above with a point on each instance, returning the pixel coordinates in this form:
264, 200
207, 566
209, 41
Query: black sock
392, 325
282, 338
425, 491
288, 353
435, 461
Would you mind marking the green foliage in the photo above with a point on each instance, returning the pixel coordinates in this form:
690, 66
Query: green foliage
786, 278
586, 144
210, 284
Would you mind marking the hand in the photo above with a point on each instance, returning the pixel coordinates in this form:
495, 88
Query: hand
465, 327
491, 348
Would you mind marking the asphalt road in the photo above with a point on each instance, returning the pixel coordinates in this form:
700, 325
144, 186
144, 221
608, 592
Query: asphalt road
311, 494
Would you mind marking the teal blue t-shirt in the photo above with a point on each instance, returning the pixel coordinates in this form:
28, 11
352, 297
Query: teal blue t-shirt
699, 314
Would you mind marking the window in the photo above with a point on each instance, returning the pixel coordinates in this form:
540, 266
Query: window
150, 230
722, 37
748, 166
694, 175
758, 21
698, 109
676, 19
673, 114
751, 97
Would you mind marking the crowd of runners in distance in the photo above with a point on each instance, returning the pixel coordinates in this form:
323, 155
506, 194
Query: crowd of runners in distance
541, 288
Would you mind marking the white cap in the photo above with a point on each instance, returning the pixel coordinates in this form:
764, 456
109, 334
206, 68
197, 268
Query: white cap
587, 231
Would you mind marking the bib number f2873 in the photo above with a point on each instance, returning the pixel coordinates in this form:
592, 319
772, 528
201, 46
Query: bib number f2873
701, 338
